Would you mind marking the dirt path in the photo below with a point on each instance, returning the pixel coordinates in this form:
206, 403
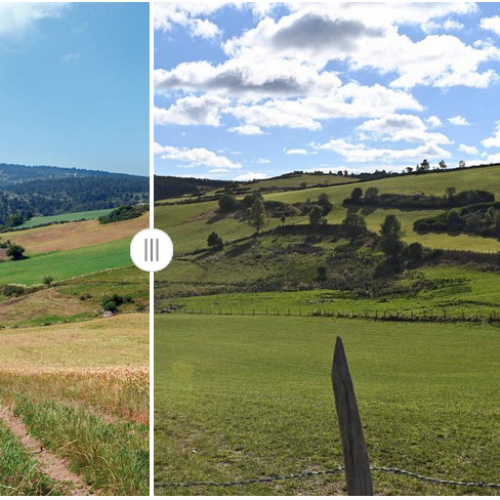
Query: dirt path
51, 465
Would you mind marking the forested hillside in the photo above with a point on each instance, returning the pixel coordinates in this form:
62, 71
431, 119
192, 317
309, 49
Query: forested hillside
173, 187
39, 191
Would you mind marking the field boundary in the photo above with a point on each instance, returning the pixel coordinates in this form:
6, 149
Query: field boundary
329, 472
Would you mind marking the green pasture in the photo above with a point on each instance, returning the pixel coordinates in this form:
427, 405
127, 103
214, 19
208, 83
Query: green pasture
50, 219
247, 397
295, 182
63, 265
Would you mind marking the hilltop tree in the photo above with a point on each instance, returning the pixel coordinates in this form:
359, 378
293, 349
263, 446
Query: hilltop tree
442, 164
390, 237
424, 166
256, 215
462, 164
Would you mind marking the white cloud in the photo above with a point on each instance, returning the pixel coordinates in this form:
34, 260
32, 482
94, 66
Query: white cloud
263, 160
470, 150
246, 78
195, 157
188, 15
18, 17
397, 127
192, 110
251, 176
459, 121
491, 24
495, 158
246, 130
218, 171
494, 140
298, 151
367, 36
434, 121
362, 153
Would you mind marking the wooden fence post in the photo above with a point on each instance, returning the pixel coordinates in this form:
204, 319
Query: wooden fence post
357, 463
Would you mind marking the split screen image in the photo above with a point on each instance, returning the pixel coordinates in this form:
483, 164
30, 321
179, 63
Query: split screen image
329, 176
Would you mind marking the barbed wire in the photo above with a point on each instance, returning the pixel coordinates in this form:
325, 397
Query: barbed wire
337, 470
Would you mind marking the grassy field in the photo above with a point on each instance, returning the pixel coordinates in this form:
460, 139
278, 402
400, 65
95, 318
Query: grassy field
82, 391
298, 181
50, 219
190, 225
456, 293
64, 265
247, 397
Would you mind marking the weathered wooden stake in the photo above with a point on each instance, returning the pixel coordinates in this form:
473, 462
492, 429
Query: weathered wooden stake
357, 463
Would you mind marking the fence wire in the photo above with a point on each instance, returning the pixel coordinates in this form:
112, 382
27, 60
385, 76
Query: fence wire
328, 472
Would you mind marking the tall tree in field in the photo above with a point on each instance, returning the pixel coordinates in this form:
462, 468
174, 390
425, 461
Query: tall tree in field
390, 237
256, 215
316, 216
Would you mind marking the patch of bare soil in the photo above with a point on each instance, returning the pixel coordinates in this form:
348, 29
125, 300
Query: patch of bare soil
51, 465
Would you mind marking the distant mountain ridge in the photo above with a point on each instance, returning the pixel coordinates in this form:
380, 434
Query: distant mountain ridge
14, 174
44, 190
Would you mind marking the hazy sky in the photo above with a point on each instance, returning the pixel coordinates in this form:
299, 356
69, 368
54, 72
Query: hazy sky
74, 85
254, 90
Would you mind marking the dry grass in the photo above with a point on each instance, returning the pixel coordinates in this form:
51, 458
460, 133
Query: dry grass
119, 341
114, 392
45, 305
76, 234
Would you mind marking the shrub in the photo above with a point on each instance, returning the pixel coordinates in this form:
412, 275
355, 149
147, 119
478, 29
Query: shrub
13, 290
16, 252
125, 212
227, 203
47, 281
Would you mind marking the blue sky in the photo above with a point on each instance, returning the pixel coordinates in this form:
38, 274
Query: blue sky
74, 82
256, 90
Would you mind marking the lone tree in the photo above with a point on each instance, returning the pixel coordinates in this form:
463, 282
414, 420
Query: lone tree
283, 219
462, 164
15, 252
325, 203
390, 237
442, 164
357, 194
48, 280
256, 215
353, 225
215, 241
371, 193
316, 216
227, 203
425, 165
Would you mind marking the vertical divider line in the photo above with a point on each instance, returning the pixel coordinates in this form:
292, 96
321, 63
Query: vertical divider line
151, 225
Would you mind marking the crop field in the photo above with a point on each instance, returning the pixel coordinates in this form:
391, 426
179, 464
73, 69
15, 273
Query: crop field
80, 391
64, 237
75, 216
247, 397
